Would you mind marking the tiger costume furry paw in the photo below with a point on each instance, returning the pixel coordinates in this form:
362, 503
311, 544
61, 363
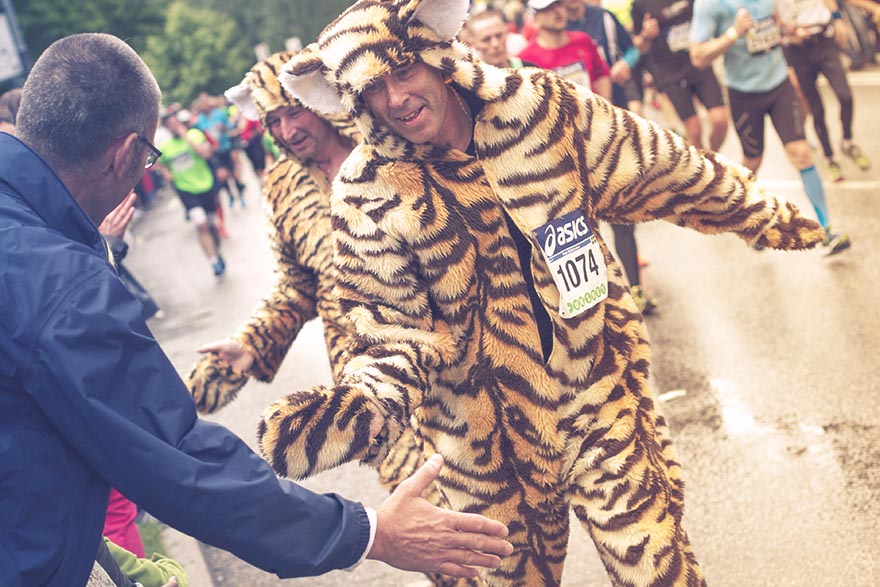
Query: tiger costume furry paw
302, 420
214, 383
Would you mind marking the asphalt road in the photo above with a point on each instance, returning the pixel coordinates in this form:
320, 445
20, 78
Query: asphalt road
766, 363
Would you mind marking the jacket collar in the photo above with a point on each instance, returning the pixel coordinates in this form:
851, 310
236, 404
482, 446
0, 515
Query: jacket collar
38, 185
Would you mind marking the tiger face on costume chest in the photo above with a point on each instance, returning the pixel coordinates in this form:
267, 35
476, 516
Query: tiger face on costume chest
445, 328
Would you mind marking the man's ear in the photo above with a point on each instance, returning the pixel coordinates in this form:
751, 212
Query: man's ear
124, 158
442, 16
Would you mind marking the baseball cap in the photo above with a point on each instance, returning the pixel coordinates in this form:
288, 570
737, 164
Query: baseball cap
540, 4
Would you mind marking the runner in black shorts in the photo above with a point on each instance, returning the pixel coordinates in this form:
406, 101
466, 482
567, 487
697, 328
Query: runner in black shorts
207, 201
661, 31
749, 110
815, 34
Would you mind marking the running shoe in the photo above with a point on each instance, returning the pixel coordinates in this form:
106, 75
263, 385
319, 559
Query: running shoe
835, 172
219, 266
645, 304
854, 153
835, 242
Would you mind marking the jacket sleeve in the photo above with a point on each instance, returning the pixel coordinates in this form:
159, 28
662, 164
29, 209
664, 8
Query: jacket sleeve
641, 171
393, 345
101, 379
277, 320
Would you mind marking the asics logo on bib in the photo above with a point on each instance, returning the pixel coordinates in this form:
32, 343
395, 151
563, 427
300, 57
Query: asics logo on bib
561, 235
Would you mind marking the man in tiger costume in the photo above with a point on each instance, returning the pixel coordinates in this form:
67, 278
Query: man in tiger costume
297, 202
482, 300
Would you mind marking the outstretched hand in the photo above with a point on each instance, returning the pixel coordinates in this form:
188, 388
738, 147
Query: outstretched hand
230, 351
414, 535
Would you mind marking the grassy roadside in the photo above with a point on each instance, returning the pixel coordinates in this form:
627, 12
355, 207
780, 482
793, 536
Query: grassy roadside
151, 535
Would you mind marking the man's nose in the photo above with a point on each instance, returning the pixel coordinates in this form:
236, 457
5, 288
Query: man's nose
396, 93
288, 127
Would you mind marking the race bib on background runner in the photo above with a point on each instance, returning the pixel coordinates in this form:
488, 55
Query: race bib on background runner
575, 72
572, 251
678, 37
764, 36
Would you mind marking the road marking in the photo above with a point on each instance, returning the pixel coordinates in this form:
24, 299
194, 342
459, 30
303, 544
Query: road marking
847, 185
858, 79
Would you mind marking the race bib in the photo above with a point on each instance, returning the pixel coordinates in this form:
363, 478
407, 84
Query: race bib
678, 37
764, 36
183, 162
575, 72
572, 251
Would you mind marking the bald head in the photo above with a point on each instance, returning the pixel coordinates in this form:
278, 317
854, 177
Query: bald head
84, 92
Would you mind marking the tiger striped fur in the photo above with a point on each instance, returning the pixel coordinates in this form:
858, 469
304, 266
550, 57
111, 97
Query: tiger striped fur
443, 329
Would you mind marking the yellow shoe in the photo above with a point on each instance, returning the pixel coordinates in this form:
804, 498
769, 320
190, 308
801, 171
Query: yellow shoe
645, 304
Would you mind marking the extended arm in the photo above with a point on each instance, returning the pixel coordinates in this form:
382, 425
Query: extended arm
645, 172
127, 414
263, 341
392, 346
704, 53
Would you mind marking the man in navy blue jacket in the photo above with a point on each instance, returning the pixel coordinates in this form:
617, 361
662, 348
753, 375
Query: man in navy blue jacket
89, 400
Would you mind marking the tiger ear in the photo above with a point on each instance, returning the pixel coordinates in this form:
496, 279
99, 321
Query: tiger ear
442, 16
242, 98
303, 77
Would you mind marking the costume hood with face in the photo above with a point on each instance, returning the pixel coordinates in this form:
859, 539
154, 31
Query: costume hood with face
296, 201
485, 304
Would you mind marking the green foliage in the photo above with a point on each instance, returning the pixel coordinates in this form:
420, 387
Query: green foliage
192, 46
274, 21
199, 51
43, 22
151, 536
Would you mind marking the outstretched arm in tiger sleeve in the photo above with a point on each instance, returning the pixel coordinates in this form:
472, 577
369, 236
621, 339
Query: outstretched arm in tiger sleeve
646, 172
392, 348
264, 339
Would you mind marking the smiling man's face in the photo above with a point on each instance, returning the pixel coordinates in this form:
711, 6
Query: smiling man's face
415, 103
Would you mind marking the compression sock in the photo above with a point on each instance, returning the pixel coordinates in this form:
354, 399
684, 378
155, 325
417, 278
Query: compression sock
816, 193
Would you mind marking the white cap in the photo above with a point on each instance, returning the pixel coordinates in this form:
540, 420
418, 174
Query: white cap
540, 4
184, 115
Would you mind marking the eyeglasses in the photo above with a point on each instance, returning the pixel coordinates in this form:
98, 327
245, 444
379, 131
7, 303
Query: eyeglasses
153, 154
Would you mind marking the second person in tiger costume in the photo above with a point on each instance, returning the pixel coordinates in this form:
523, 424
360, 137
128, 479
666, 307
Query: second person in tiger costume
483, 302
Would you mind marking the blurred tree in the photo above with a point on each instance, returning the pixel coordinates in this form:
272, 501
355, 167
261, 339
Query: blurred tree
45, 21
200, 50
274, 21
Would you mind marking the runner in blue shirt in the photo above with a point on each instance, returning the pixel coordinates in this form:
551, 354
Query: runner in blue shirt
747, 33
